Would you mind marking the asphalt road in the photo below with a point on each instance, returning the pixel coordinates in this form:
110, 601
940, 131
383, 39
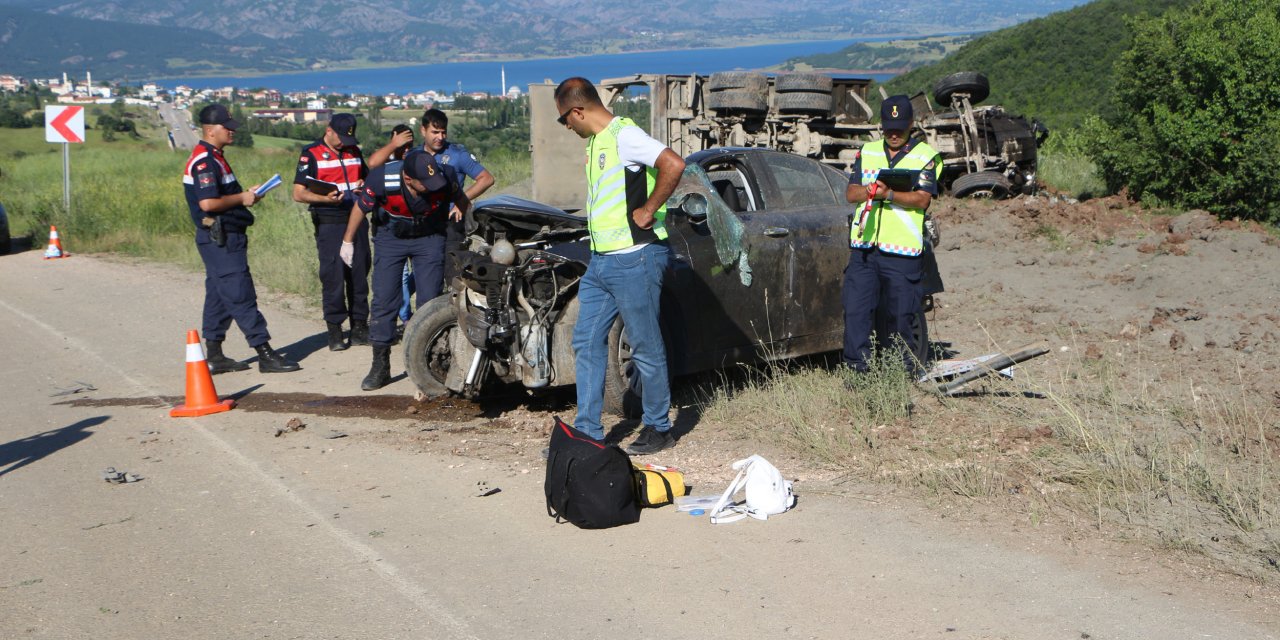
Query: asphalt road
178, 121
237, 533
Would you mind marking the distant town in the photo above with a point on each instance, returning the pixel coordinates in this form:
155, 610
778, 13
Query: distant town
269, 104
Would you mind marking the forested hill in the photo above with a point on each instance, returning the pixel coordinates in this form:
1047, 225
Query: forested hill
1059, 68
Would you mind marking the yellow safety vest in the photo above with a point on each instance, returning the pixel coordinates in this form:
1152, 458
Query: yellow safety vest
613, 193
890, 226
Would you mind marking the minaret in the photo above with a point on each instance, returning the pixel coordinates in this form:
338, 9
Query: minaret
88, 81
64, 78
504, 79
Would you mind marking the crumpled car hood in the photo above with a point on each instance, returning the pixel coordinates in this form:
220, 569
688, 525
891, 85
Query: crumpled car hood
519, 213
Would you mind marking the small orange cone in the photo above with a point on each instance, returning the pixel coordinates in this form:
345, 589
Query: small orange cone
202, 398
55, 246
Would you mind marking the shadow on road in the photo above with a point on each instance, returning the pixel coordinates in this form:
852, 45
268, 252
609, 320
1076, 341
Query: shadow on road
20, 453
298, 351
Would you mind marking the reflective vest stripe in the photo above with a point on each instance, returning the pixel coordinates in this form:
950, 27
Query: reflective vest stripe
608, 206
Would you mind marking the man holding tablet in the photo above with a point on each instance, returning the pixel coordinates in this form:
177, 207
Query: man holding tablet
893, 182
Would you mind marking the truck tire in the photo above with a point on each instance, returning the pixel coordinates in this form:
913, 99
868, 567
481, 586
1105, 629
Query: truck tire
738, 101
971, 82
427, 356
809, 82
622, 389
747, 80
985, 184
803, 102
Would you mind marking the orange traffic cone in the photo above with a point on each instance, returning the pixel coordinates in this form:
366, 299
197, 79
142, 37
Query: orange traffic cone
55, 246
202, 398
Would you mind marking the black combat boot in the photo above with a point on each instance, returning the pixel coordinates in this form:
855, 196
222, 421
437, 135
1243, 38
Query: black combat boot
336, 343
219, 363
380, 372
271, 362
360, 333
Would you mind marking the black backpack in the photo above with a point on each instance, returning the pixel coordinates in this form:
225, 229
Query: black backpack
588, 483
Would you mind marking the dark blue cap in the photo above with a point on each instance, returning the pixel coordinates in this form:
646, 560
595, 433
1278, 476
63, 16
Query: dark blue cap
218, 114
422, 166
344, 124
895, 113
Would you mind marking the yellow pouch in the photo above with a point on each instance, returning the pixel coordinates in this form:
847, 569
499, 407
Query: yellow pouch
657, 486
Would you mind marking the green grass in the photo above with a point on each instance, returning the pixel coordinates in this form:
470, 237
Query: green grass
127, 198
1064, 163
270, 142
1071, 174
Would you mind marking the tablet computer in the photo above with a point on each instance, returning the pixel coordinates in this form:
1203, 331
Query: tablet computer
899, 179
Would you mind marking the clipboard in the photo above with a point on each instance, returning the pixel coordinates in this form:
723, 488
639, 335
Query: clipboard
898, 179
319, 187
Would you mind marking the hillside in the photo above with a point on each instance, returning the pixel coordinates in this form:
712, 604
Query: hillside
1057, 68
39, 43
270, 35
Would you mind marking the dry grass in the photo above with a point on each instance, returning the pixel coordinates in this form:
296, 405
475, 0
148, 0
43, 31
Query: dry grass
1106, 443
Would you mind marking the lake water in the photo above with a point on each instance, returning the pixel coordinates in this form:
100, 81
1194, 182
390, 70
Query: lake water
487, 76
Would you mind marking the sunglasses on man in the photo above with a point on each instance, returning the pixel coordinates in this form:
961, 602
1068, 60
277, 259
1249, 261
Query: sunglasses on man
564, 117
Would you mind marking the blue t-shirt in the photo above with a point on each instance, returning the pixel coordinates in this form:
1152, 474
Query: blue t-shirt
462, 161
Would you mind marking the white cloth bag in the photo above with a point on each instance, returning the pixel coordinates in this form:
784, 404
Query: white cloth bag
767, 492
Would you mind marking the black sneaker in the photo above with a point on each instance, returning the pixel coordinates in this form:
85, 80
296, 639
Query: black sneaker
651, 441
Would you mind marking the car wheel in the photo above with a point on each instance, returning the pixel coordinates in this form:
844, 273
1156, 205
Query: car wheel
971, 82
920, 338
810, 82
920, 350
745, 80
738, 100
985, 184
802, 102
622, 388
427, 345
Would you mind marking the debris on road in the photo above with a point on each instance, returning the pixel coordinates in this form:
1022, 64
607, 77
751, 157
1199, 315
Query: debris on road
79, 387
333, 435
483, 490
294, 424
119, 477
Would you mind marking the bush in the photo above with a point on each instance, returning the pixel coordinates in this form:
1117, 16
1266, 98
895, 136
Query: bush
1198, 117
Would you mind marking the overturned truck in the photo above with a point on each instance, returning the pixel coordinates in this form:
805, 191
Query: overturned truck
986, 151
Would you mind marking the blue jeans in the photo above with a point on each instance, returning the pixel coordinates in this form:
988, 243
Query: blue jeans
628, 285
407, 287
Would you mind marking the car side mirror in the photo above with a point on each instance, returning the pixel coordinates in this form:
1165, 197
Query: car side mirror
694, 205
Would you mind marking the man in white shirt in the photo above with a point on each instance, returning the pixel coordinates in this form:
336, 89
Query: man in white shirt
629, 178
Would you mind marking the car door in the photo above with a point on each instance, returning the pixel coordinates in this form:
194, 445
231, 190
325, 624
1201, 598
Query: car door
727, 317
806, 213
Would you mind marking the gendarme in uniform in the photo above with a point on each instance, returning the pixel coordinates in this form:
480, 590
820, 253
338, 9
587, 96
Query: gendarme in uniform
885, 268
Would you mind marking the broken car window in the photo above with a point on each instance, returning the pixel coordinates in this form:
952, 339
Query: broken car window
726, 229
